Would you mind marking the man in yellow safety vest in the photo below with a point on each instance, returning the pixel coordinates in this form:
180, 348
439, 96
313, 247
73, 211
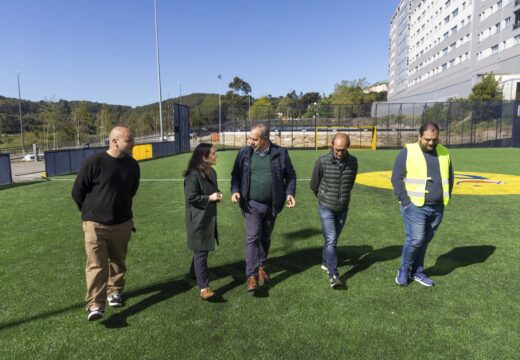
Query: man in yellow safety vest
422, 179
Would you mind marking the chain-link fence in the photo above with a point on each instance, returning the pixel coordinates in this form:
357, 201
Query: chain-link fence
381, 125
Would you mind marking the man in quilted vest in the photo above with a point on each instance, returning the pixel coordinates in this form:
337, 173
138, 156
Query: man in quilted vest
332, 180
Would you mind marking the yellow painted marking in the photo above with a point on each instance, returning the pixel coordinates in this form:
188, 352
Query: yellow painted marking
466, 182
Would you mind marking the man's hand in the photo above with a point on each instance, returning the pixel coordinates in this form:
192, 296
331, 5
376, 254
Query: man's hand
235, 197
291, 201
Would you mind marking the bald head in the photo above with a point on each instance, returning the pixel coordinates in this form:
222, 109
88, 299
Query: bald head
340, 144
121, 141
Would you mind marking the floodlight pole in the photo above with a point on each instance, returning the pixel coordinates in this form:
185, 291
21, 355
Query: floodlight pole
158, 68
219, 109
20, 111
180, 93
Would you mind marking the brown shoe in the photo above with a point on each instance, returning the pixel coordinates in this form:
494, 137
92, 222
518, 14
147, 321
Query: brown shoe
206, 293
262, 275
252, 284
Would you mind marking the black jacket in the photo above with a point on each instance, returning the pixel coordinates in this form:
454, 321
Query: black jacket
284, 177
200, 213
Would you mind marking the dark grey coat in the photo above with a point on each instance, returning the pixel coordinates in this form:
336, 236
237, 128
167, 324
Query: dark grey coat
200, 213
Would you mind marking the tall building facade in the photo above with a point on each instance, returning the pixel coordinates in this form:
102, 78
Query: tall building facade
449, 44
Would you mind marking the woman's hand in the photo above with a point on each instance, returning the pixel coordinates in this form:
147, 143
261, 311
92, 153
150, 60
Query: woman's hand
215, 197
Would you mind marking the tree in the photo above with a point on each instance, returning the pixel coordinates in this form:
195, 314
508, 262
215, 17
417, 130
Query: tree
309, 98
239, 85
80, 120
103, 123
486, 90
262, 109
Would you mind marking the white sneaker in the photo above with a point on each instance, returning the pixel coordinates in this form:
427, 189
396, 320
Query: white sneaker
95, 314
323, 267
115, 300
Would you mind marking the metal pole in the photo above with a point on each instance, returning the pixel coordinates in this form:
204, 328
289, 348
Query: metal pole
20, 111
180, 93
219, 109
158, 67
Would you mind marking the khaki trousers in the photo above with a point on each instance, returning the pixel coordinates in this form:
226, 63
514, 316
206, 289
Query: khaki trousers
105, 247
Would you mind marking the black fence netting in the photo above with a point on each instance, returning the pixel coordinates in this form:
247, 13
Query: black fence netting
376, 125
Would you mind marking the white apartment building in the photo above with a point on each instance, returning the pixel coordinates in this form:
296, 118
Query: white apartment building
449, 44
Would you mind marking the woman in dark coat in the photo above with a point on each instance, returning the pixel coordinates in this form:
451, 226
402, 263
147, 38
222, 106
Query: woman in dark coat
201, 195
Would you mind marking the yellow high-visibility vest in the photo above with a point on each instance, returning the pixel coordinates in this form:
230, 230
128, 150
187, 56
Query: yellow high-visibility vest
417, 173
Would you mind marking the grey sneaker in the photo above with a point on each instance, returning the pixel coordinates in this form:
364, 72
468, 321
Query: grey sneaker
421, 278
115, 300
95, 314
335, 282
402, 276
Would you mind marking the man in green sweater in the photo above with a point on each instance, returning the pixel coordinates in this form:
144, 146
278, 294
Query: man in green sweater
262, 181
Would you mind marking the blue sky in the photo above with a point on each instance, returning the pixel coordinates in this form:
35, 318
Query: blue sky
104, 51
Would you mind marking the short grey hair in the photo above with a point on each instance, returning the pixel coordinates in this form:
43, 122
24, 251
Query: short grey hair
264, 130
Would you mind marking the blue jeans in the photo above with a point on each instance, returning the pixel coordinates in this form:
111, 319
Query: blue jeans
420, 224
332, 223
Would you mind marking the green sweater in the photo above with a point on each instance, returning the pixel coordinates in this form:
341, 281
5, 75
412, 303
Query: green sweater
261, 179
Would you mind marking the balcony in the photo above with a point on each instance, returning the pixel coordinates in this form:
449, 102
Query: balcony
516, 25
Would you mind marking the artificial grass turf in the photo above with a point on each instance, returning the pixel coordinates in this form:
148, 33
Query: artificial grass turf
471, 313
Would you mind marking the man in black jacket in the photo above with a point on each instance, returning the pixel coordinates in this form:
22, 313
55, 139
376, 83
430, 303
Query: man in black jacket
103, 191
332, 180
262, 180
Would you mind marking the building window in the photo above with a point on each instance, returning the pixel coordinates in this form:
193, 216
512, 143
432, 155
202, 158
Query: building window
497, 27
445, 36
445, 66
507, 21
494, 49
455, 12
444, 51
454, 29
517, 39
447, 3
517, 20
499, 4
446, 19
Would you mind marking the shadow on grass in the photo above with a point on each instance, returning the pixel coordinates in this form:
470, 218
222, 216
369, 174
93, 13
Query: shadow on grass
281, 267
303, 234
460, 257
363, 257
22, 183
359, 257
162, 292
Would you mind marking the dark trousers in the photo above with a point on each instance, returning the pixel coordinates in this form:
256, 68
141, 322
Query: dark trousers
259, 221
199, 268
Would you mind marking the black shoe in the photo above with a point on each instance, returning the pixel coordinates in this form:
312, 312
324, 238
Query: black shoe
335, 282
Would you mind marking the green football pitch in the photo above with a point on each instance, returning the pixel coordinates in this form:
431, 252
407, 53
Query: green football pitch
472, 312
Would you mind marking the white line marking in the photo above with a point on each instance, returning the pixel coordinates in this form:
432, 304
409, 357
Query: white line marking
159, 180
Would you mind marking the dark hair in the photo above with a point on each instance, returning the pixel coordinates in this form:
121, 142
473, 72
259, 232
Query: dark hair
264, 130
429, 125
197, 162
